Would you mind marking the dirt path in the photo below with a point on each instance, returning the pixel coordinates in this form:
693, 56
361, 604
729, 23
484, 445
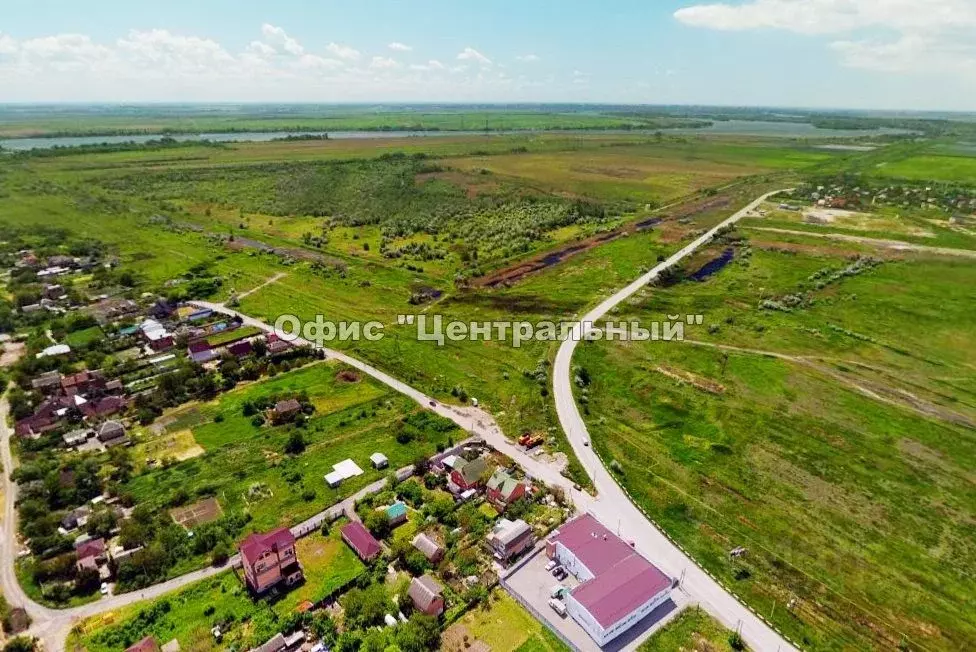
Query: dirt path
274, 279
897, 245
872, 389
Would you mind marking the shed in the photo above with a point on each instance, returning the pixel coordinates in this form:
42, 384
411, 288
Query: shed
379, 460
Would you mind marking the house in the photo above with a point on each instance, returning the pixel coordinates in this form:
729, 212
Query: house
82, 382
104, 407
47, 383
285, 410
112, 433
396, 513
342, 471
93, 549
276, 345
53, 350
274, 644
269, 559
425, 592
379, 461
147, 644
510, 538
361, 541
430, 549
76, 518
465, 474
53, 292
76, 437
618, 587
502, 489
172, 646
240, 349
162, 309
156, 334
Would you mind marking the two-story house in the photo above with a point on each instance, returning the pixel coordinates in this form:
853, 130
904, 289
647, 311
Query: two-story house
269, 559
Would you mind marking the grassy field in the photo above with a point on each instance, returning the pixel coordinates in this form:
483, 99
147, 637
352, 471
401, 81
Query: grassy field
188, 615
841, 465
245, 466
691, 630
502, 625
960, 168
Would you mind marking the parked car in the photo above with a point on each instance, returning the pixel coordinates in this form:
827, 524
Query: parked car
558, 607
555, 569
561, 575
557, 591
104, 588
552, 564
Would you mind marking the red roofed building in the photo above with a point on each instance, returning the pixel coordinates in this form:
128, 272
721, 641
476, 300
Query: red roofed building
360, 540
269, 559
618, 587
147, 644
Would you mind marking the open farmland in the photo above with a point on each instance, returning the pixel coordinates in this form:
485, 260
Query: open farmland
822, 418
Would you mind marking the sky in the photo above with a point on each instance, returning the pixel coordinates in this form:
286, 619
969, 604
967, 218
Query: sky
865, 54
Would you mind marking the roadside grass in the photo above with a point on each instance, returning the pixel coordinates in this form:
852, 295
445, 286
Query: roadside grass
232, 335
25, 577
858, 508
503, 626
690, 630
189, 613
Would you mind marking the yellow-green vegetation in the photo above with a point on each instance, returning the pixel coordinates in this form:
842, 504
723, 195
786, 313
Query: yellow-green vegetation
502, 625
822, 418
245, 463
690, 630
189, 614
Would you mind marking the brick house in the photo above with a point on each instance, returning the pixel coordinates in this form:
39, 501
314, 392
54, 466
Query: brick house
426, 594
269, 559
502, 489
465, 474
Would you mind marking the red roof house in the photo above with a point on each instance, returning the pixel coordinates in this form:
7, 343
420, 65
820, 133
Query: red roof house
147, 644
270, 558
361, 541
618, 587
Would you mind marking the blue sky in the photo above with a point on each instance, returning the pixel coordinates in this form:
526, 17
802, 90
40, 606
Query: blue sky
913, 54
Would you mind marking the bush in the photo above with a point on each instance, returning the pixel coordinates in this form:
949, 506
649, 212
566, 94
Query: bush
220, 554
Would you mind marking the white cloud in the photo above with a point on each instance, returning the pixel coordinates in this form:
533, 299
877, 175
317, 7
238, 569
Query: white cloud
278, 39
343, 51
384, 63
470, 54
527, 58
433, 64
399, 47
933, 36
261, 49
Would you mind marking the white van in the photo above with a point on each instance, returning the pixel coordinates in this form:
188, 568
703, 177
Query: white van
558, 607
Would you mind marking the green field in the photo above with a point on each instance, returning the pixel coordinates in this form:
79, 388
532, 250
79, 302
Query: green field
502, 625
842, 469
931, 167
692, 629
189, 614
246, 467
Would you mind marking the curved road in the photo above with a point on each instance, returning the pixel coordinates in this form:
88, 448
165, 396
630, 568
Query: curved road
614, 507
610, 506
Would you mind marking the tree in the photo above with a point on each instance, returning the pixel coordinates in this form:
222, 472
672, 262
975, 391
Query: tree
366, 607
418, 634
295, 444
220, 554
87, 581
378, 523
21, 644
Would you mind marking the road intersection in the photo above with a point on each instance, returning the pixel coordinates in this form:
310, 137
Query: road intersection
610, 505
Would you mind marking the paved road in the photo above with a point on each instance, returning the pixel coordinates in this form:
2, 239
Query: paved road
613, 506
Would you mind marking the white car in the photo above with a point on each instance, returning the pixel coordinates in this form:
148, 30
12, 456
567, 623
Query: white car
104, 588
558, 607
552, 564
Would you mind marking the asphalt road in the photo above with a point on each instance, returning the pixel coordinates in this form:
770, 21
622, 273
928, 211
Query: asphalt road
610, 505
613, 506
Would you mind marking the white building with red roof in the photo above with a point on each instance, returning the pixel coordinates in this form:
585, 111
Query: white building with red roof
618, 587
